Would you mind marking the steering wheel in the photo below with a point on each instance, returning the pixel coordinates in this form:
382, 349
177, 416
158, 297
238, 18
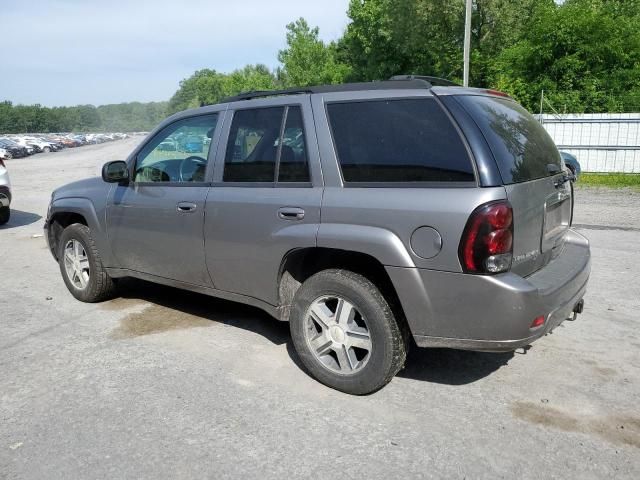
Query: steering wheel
192, 167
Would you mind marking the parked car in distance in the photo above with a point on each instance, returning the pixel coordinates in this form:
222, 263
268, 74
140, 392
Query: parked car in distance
193, 144
12, 148
571, 163
5, 190
445, 225
168, 145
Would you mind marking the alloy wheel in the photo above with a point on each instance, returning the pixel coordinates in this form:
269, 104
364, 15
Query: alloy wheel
76, 264
337, 335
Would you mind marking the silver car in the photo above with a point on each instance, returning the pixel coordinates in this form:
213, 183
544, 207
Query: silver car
5, 190
369, 216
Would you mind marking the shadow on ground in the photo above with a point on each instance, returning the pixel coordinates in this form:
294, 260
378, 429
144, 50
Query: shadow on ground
451, 367
202, 306
20, 219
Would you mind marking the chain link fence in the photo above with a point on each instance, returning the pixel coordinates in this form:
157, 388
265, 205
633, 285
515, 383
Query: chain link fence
602, 142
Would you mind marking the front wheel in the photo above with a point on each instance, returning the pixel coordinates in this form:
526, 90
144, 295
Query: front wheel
5, 215
345, 332
81, 266
46, 149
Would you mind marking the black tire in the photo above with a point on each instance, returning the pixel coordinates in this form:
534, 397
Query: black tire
8, 156
46, 150
389, 348
100, 286
5, 215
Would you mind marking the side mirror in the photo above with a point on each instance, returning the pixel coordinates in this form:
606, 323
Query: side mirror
115, 172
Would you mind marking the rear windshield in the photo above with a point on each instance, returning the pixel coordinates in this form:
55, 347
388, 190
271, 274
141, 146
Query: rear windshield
522, 147
407, 140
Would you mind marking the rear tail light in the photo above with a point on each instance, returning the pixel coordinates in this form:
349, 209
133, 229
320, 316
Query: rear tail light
486, 246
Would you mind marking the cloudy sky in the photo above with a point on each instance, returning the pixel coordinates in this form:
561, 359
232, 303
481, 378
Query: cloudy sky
69, 52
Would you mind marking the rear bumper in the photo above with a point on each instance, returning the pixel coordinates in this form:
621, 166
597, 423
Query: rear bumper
492, 313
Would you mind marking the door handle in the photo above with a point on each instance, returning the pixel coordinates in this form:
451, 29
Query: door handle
186, 207
291, 213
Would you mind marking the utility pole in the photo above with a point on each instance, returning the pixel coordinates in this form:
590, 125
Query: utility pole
467, 42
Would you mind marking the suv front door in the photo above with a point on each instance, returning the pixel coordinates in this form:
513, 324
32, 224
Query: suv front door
155, 222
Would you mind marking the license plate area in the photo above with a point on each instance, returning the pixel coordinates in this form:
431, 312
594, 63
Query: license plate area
557, 217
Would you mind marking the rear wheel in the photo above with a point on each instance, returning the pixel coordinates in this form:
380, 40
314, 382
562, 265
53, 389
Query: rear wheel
345, 332
5, 215
81, 266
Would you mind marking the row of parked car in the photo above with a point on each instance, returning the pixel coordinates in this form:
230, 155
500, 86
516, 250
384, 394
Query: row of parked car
18, 146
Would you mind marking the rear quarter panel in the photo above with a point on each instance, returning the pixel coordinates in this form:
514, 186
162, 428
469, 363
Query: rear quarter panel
398, 209
403, 210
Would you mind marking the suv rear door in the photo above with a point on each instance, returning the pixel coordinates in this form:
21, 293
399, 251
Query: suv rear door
266, 196
532, 173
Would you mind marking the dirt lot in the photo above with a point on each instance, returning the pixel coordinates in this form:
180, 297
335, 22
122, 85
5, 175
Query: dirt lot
163, 383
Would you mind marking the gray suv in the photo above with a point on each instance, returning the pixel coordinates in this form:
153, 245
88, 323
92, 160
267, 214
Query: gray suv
369, 216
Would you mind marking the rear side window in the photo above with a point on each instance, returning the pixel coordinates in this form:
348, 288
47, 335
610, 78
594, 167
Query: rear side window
265, 144
523, 149
253, 145
293, 166
407, 140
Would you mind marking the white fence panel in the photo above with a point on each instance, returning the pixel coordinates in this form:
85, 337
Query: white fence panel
603, 142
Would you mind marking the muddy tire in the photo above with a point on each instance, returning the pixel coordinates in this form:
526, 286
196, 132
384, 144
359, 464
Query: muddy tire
81, 266
345, 332
5, 215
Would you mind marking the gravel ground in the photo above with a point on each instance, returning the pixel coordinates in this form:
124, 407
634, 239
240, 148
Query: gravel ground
163, 383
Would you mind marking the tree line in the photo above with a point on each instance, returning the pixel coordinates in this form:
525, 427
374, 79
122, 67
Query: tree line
584, 55
123, 117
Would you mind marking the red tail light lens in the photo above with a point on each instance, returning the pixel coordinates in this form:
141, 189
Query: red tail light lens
498, 93
487, 241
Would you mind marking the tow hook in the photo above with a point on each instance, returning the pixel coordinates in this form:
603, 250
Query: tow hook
578, 308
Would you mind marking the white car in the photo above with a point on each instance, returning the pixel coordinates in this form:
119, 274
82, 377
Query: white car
31, 141
5, 190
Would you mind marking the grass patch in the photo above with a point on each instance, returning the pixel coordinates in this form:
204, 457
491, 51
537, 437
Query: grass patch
611, 180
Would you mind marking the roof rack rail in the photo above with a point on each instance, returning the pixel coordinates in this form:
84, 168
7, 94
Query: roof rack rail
434, 81
399, 82
265, 93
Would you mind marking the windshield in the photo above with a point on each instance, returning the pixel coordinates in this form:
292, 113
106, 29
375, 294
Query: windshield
523, 149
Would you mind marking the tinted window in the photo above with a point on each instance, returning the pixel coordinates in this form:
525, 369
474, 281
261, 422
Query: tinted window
256, 148
253, 145
522, 148
178, 153
293, 157
408, 140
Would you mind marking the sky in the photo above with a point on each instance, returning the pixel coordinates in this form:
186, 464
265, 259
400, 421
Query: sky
71, 52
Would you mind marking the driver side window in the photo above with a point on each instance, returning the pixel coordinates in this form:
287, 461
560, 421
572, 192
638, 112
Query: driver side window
178, 153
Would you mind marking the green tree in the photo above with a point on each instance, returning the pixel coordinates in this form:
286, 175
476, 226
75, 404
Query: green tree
307, 60
584, 54
387, 38
208, 86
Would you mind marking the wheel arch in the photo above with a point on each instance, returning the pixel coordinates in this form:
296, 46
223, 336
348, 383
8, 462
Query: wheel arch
67, 211
300, 264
